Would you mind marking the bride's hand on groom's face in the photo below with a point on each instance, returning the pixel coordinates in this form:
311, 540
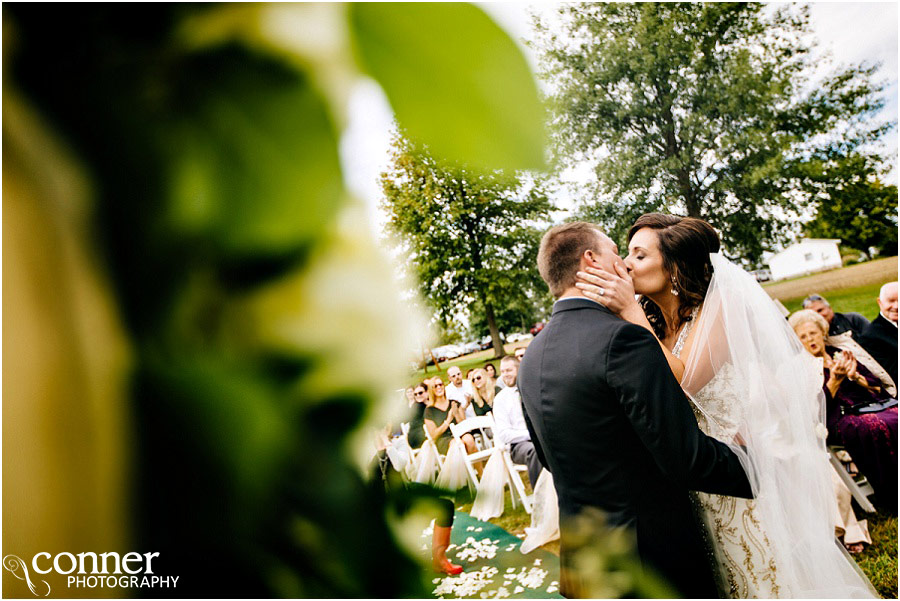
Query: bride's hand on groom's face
615, 291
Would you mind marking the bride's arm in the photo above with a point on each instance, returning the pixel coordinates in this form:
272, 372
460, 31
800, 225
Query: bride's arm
616, 293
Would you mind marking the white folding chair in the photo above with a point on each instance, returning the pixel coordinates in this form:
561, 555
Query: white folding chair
859, 486
430, 440
515, 477
404, 428
481, 424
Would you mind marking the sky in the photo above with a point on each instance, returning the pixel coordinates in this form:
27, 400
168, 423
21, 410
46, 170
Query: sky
849, 32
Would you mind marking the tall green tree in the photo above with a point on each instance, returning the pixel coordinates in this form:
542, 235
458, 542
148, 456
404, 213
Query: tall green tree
701, 109
189, 378
472, 236
854, 205
517, 315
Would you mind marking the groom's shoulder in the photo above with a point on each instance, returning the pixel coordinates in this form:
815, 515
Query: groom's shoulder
627, 333
602, 327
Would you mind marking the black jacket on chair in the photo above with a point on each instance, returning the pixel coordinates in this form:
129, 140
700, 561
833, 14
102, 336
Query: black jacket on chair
612, 425
880, 339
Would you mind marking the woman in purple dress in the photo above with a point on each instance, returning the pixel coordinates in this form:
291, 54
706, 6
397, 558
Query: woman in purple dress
860, 414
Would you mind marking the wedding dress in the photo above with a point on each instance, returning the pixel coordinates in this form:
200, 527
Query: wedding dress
753, 386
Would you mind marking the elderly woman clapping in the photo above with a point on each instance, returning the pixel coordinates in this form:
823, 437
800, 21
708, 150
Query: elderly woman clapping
860, 413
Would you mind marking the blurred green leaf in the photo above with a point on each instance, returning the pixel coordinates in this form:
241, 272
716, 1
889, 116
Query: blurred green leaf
254, 162
456, 81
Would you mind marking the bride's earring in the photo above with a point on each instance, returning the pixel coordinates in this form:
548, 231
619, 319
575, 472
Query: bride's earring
674, 291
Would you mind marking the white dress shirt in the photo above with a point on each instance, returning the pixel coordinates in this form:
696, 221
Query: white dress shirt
508, 417
458, 393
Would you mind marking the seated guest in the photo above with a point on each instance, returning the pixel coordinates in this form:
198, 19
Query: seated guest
838, 323
860, 413
520, 352
440, 413
880, 338
510, 421
484, 391
459, 390
492, 374
416, 435
410, 403
852, 532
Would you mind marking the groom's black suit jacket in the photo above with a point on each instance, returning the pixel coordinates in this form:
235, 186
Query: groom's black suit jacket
611, 423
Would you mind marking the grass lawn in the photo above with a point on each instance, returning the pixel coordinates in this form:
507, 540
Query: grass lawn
879, 560
859, 300
465, 363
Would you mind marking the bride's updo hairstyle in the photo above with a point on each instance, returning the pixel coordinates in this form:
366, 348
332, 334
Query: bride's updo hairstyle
685, 244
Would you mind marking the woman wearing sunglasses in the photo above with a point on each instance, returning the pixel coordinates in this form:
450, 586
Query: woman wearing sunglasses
484, 390
440, 412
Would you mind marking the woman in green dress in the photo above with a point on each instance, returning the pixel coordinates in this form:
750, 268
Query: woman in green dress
440, 412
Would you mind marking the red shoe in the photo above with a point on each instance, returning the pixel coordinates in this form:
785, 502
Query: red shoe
439, 543
445, 567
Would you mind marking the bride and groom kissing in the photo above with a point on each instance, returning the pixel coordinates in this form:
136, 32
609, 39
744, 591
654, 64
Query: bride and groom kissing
688, 417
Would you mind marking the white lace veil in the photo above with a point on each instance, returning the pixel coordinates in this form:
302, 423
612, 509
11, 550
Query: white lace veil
777, 385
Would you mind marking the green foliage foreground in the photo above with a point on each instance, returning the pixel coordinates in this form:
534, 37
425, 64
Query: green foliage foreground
178, 164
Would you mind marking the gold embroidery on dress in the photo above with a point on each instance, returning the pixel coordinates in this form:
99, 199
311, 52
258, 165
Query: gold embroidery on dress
744, 555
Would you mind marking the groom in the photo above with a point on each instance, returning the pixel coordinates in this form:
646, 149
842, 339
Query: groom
611, 423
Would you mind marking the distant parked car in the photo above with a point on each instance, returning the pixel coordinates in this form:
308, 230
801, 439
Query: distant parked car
536, 328
471, 347
518, 337
762, 275
487, 342
446, 352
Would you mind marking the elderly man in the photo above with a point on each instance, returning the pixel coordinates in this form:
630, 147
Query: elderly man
510, 421
880, 338
838, 323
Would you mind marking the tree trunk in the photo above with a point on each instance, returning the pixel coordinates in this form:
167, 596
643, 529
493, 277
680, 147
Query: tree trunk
495, 333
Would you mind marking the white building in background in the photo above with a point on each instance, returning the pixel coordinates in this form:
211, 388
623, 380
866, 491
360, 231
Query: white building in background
807, 256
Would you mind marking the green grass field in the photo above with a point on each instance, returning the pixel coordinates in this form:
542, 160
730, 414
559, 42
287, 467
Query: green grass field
859, 300
465, 363
879, 560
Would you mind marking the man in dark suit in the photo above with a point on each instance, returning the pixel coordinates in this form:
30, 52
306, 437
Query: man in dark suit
611, 423
838, 323
880, 338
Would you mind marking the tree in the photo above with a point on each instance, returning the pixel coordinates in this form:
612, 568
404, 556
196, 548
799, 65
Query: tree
472, 236
704, 110
855, 206
515, 316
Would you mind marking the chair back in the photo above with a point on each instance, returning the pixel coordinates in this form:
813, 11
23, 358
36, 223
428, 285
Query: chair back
430, 441
482, 424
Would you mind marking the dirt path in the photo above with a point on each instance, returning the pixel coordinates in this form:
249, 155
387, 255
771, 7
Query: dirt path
864, 274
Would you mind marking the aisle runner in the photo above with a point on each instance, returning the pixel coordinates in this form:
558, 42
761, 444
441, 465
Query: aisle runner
494, 566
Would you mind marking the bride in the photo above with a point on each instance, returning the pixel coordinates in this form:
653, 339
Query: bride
751, 385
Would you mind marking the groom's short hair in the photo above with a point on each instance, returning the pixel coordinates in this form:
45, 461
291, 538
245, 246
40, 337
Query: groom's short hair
560, 254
